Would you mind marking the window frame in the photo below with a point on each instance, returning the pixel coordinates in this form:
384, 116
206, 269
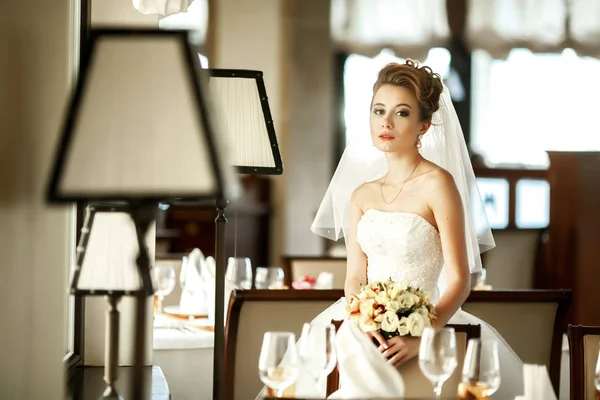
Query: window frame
74, 359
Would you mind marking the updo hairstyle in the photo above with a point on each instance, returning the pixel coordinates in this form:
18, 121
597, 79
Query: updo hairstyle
425, 84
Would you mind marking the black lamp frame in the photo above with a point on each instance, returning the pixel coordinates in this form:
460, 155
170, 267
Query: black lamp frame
194, 76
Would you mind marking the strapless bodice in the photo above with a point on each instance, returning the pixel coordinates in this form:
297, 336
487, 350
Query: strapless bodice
402, 246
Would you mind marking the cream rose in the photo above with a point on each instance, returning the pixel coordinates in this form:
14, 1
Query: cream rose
390, 322
393, 292
382, 299
406, 300
393, 306
416, 324
424, 313
403, 328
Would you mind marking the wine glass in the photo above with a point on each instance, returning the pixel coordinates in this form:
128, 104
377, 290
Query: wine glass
269, 278
239, 271
278, 361
481, 370
437, 356
317, 350
164, 281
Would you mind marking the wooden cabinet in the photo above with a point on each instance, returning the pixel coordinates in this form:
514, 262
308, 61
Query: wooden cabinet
248, 220
572, 253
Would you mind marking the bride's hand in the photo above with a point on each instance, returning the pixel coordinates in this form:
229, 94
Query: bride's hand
401, 349
383, 344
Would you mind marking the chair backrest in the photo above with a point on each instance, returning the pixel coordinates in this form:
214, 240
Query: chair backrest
511, 264
531, 321
584, 344
416, 384
296, 267
252, 313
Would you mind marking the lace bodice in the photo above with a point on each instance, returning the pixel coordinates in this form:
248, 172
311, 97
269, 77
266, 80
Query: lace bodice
401, 246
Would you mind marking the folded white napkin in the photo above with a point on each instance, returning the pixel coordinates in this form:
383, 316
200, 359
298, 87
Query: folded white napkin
364, 371
193, 295
537, 383
209, 280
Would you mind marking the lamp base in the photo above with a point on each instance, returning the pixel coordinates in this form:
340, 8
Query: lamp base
111, 393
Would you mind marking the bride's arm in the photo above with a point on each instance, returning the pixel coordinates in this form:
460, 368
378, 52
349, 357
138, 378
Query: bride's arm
448, 211
356, 269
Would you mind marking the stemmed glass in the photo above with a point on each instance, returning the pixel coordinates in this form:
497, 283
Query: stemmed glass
317, 350
278, 361
239, 271
481, 370
269, 278
164, 281
437, 356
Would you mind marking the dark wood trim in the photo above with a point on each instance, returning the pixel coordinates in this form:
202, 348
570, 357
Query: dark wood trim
510, 173
521, 296
576, 334
333, 379
236, 301
563, 297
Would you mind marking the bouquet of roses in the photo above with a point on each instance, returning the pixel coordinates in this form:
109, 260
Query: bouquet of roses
393, 309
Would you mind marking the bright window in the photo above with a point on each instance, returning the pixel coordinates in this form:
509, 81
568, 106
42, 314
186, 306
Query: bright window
530, 103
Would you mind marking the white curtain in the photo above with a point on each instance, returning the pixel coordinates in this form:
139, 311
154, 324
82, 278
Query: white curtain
162, 7
542, 26
194, 19
584, 28
408, 27
498, 26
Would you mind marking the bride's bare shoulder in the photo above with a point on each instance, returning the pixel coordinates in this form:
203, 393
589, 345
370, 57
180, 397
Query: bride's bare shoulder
439, 181
365, 191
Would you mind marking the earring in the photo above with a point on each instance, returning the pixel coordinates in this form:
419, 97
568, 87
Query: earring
419, 141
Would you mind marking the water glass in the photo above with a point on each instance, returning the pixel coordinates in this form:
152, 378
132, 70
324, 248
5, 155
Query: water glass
269, 278
437, 356
164, 282
278, 361
239, 271
317, 350
481, 370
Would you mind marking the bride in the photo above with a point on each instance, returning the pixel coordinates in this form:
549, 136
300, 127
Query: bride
406, 202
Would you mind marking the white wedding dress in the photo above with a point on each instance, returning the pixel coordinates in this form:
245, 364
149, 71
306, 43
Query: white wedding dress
405, 247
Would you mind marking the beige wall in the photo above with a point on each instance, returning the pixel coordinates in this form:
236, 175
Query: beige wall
289, 41
36, 50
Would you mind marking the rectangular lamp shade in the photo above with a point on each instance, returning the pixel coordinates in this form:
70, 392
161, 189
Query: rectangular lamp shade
244, 118
139, 126
109, 262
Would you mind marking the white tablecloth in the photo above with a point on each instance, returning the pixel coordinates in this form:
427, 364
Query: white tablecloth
172, 333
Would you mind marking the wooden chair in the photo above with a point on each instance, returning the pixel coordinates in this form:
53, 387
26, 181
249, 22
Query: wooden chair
252, 313
531, 321
417, 386
295, 267
584, 344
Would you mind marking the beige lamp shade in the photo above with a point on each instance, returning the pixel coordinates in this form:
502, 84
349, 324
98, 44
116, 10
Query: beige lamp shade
108, 252
244, 120
139, 126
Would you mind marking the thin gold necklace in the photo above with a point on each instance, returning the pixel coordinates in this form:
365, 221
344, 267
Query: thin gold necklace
401, 187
